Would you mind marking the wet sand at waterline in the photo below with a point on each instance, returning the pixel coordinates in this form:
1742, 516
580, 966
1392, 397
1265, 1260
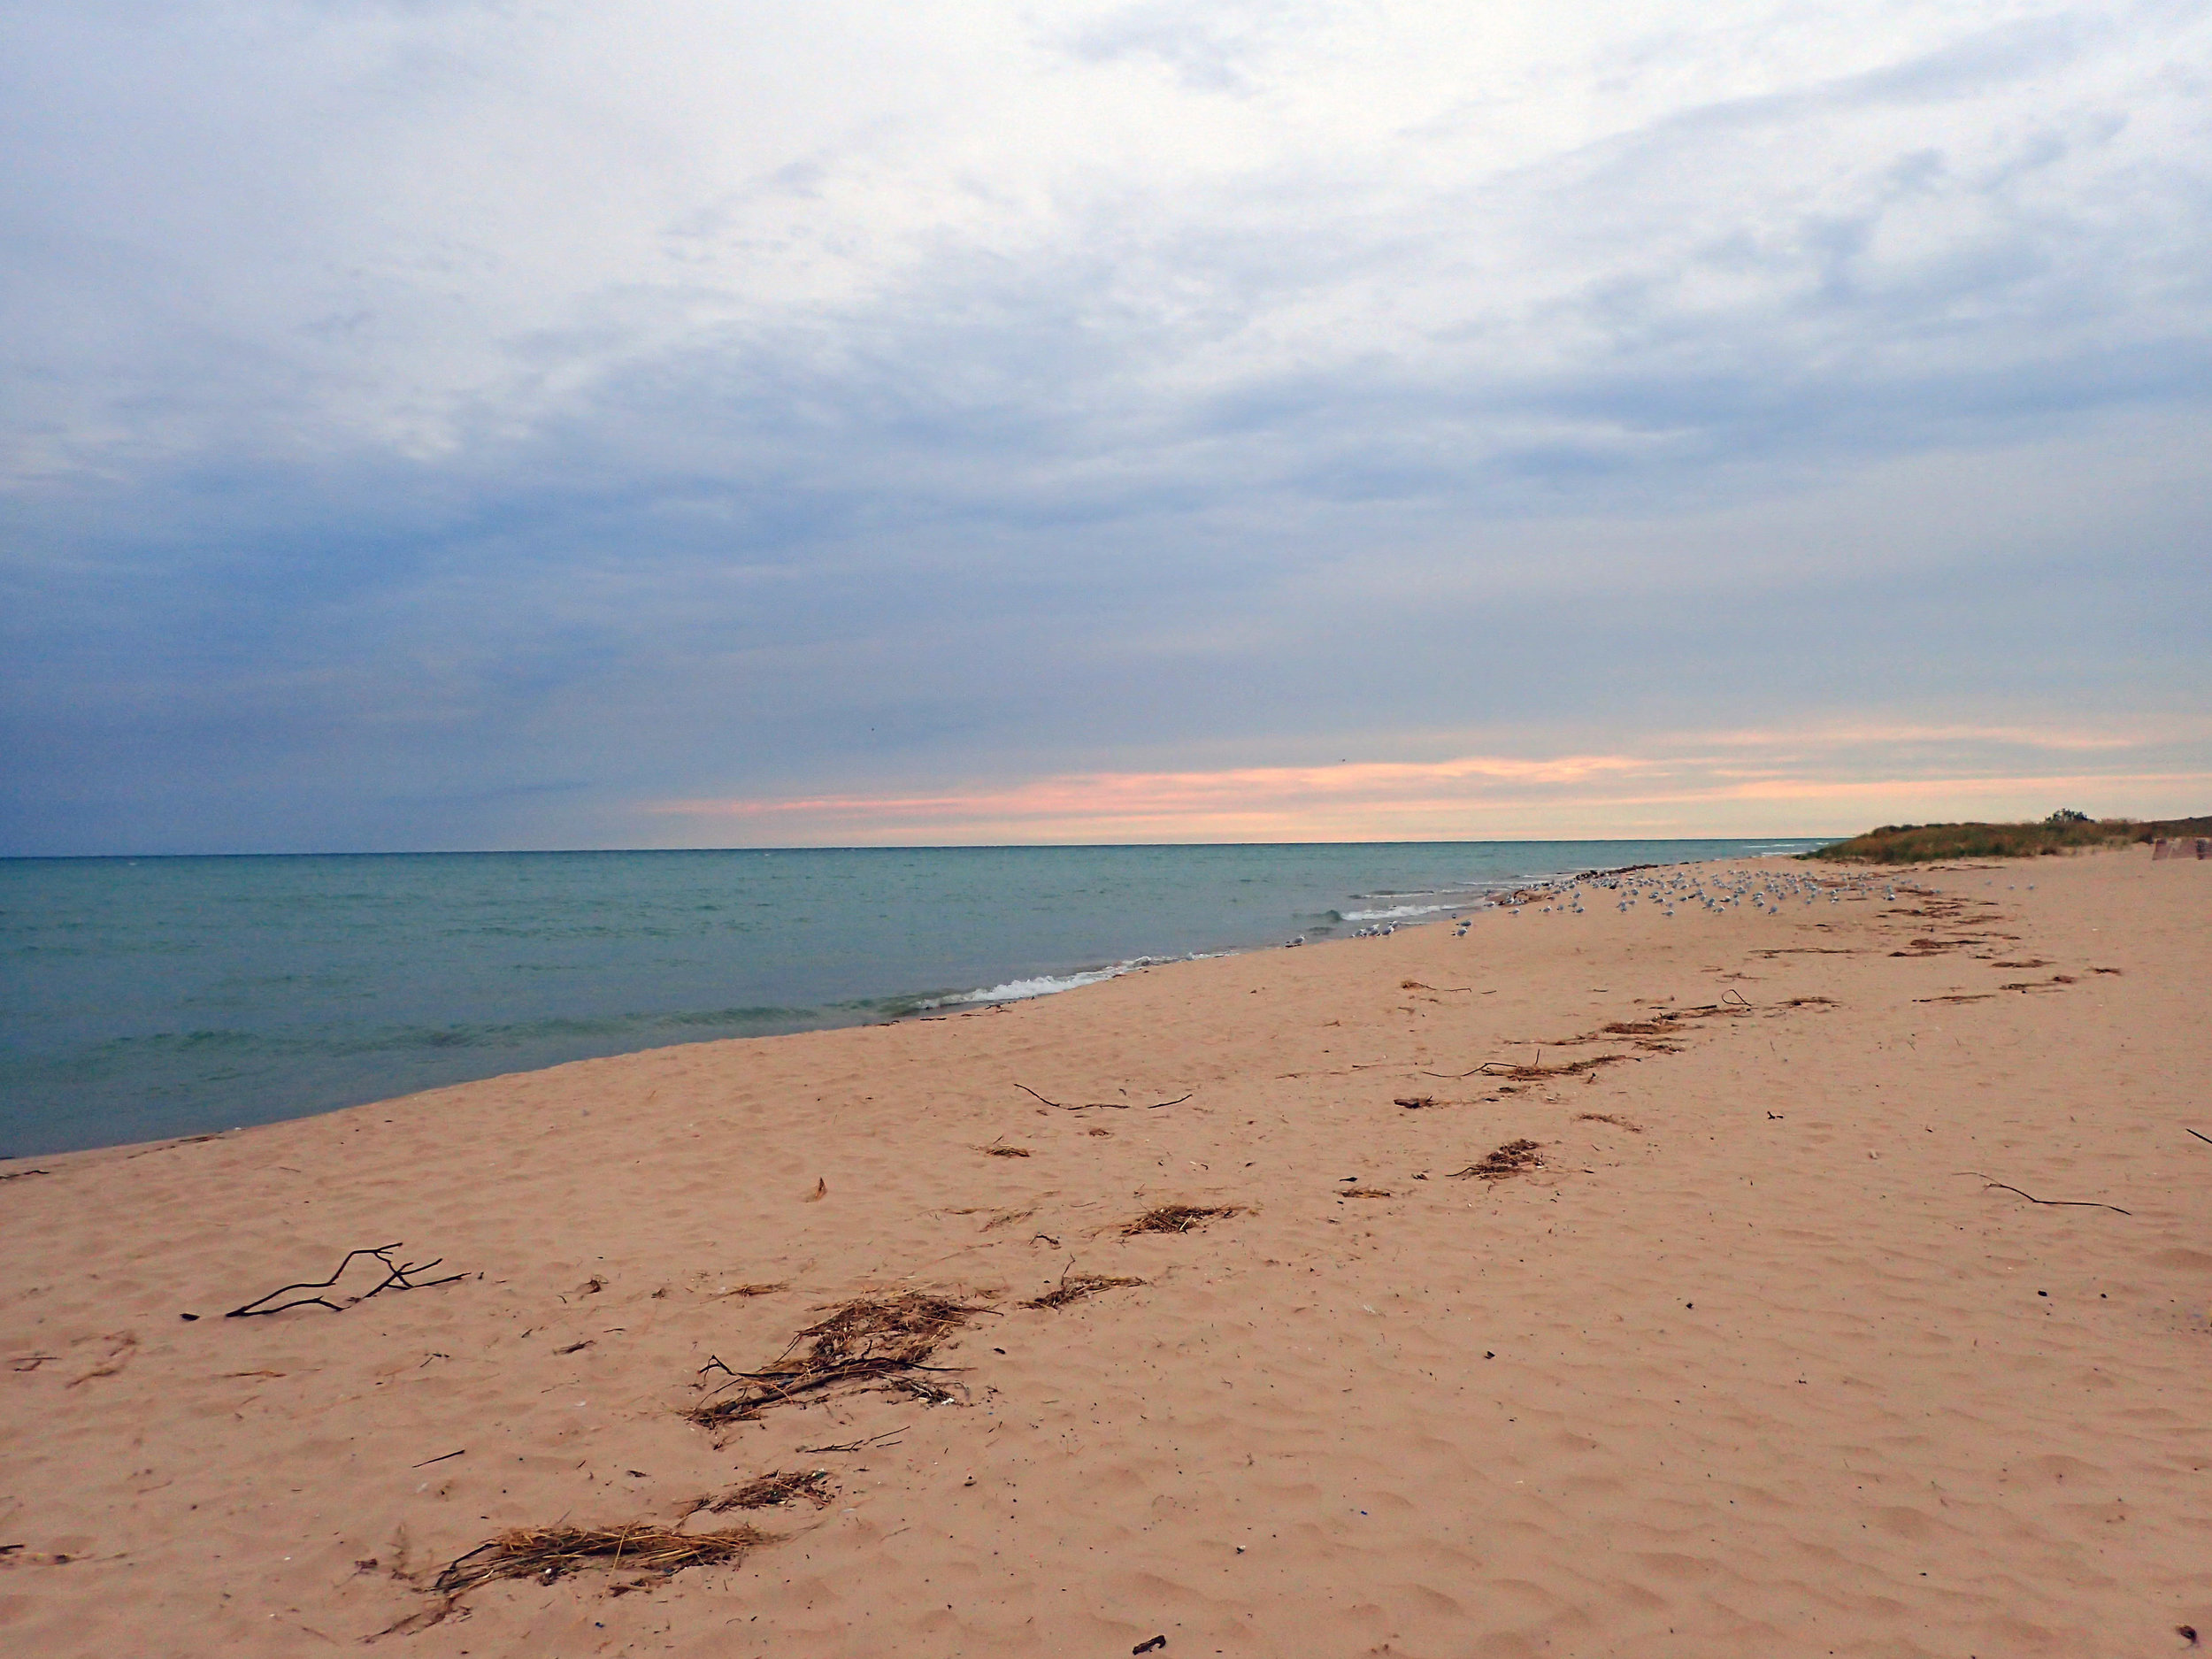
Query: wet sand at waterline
1765, 1347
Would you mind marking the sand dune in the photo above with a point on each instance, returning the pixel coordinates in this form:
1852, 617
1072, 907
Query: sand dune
1754, 1360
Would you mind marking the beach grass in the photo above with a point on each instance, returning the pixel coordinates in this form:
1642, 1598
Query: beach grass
2061, 832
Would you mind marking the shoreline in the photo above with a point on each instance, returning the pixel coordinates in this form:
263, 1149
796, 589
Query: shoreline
1737, 1363
944, 1007
350, 992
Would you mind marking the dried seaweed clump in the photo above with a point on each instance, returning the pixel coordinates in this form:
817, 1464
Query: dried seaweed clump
1175, 1218
1363, 1191
551, 1552
873, 1340
1075, 1289
1514, 1157
780, 1485
1004, 1152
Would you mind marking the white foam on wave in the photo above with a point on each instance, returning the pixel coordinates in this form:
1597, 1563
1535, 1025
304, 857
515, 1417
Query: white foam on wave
1050, 984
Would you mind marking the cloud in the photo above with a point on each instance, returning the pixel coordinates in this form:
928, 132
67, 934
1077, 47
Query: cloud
1218, 47
446, 424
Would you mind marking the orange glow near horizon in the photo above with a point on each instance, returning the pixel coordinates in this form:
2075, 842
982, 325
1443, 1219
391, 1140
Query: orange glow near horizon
1731, 784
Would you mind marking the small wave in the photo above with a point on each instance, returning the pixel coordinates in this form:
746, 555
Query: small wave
1044, 985
1396, 912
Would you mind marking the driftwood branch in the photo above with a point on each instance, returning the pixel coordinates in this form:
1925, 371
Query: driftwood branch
1101, 1105
396, 1274
2062, 1203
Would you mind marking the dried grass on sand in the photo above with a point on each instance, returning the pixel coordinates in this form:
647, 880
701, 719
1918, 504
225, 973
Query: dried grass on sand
1071, 1290
548, 1553
1175, 1218
1514, 1157
779, 1485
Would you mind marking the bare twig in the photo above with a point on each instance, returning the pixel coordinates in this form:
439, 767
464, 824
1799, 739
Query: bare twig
396, 1273
889, 1437
1515, 1072
2070, 1203
1102, 1105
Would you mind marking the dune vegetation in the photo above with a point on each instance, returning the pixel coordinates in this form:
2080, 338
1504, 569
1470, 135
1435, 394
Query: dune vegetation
2064, 831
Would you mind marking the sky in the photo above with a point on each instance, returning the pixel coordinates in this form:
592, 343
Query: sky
427, 424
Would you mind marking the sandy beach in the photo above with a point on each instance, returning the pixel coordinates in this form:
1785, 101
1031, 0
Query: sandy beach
1766, 1345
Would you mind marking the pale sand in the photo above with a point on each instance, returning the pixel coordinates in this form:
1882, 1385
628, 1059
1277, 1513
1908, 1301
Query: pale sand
1765, 1375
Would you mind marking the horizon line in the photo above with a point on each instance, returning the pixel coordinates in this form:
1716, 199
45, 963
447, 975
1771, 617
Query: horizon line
900, 846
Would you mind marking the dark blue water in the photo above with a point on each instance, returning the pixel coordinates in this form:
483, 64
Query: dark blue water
148, 997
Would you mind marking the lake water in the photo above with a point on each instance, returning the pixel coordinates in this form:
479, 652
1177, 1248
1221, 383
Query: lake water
146, 997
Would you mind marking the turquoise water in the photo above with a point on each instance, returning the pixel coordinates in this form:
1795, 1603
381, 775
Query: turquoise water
146, 997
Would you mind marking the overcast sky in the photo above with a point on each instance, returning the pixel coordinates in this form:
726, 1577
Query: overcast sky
428, 424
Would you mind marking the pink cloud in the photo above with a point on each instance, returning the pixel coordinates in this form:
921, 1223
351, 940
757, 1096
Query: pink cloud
1798, 786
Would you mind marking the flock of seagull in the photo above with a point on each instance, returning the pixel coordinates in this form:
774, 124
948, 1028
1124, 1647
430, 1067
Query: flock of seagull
1716, 892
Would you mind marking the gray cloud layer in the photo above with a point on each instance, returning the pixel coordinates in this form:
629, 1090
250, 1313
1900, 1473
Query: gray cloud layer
445, 425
